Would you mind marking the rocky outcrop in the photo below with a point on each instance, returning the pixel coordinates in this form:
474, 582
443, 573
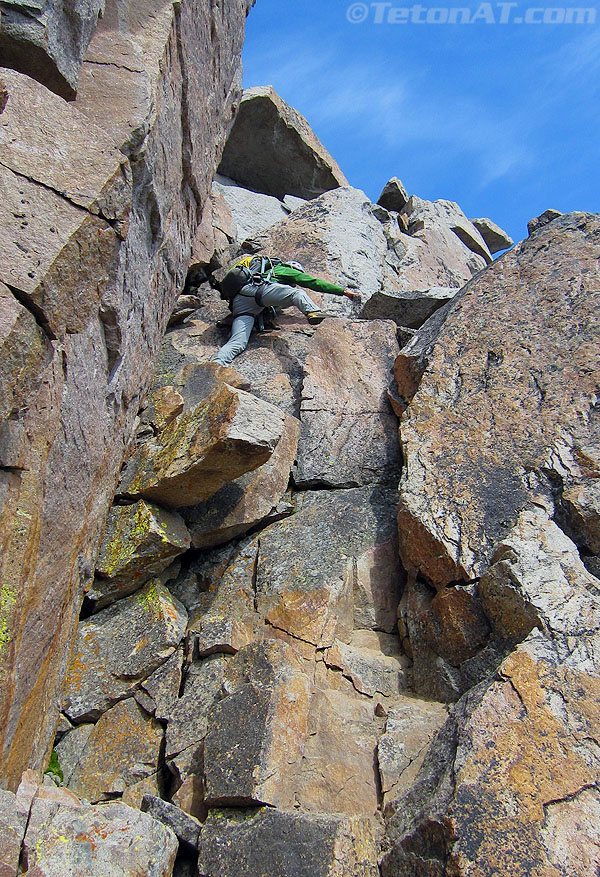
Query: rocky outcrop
48, 41
50, 831
273, 150
95, 251
394, 195
495, 238
518, 348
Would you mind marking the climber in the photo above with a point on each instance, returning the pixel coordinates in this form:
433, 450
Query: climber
258, 282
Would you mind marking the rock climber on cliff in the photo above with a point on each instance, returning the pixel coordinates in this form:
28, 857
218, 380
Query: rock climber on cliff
258, 282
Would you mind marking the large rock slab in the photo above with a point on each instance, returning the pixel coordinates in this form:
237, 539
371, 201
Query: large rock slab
423, 214
409, 309
335, 237
252, 212
410, 728
159, 85
65, 836
495, 238
188, 717
510, 784
394, 195
306, 579
349, 431
119, 647
256, 733
48, 41
140, 542
230, 433
219, 588
506, 411
339, 771
294, 844
272, 149
13, 823
248, 500
122, 749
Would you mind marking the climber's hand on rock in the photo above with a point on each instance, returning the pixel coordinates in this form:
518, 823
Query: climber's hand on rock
352, 295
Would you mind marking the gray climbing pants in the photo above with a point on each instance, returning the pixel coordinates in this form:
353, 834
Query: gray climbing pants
246, 308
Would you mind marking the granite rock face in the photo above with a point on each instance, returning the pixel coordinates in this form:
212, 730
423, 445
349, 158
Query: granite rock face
51, 832
272, 149
105, 244
519, 348
230, 433
139, 543
48, 41
121, 645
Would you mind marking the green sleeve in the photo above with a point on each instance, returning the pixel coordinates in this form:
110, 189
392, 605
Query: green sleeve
285, 273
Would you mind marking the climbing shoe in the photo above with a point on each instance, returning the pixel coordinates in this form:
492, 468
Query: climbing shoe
315, 317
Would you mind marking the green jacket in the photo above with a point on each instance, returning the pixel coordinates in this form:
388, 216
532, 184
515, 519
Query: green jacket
292, 277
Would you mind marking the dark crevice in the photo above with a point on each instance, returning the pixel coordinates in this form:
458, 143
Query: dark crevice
36, 312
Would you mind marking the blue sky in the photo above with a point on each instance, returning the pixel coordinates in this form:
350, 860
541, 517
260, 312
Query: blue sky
503, 118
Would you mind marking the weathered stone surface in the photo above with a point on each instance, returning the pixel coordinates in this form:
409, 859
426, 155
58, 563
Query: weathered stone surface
378, 582
13, 823
58, 258
335, 237
520, 348
339, 772
511, 784
223, 617
414, 358
246, 501
92, 172
305, 580
65, 836
495, 238
185, 826
164, 685
48, 41
162, 83
537, 580
139, 543
293, 844
410, 728
188, 718
423, 214
24, 350
256, 733
394, 195
373, 662
272, 149
119, 647
230, 433
349, 433
121, 750
540, 221
252, 212
409, 309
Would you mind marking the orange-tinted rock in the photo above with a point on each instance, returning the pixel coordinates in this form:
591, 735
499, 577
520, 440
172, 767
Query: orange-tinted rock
121, 750
119, 647
140, 542
349, 431
113, 287
246, 501
230, 433
235, 842
256, 733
